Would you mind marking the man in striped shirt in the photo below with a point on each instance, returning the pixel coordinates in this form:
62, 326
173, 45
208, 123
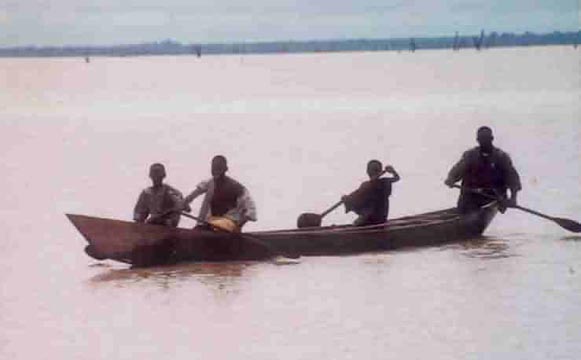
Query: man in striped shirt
155, 203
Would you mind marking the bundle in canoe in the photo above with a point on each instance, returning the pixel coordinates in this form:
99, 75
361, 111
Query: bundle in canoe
145, 245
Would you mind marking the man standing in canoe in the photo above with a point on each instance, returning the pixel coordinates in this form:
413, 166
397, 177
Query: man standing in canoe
155, 203
371, 200
227, 203
488, 169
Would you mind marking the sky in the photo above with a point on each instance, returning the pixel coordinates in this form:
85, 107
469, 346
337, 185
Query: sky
104, 22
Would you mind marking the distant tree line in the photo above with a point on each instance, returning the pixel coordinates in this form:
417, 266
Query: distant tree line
170, 47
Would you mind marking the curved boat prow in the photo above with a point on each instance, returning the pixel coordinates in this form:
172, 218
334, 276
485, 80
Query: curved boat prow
110, 238
484, 217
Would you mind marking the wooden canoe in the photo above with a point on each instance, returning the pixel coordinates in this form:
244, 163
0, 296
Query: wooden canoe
144, 244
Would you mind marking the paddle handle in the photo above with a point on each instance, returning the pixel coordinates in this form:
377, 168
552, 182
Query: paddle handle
567, 224
530, 211
183, 213
476, 191
340, 202
247, 237
336, 205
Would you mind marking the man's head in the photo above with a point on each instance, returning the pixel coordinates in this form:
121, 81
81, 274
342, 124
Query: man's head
219, 166
374, 168
484, 137
157, 173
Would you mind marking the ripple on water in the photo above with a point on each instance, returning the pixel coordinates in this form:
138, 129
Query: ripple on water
571, 238
485, 247
218, 274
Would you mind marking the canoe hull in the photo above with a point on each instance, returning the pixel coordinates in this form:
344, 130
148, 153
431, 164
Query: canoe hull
422, 230
144, 244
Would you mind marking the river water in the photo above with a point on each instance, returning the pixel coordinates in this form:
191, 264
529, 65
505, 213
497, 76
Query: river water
78, 137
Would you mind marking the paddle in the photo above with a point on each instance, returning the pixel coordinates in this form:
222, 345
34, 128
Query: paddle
314, 220
247, 237
566, 224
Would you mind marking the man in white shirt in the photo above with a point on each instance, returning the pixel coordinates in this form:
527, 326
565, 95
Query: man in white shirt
227, 203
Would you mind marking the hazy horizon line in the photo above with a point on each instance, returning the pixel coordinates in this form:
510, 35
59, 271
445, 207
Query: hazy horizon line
247, 42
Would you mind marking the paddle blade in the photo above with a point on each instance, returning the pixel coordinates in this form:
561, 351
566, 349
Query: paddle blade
568, 224
309, 220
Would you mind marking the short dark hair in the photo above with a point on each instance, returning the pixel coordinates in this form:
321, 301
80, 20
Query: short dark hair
220, 158
156, 166
484, 129
374, 167
374, 161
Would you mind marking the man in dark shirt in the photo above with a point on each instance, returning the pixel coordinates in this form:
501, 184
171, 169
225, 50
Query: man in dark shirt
488, 169
371, 200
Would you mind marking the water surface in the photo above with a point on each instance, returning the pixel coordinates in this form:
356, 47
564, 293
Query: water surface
298, 131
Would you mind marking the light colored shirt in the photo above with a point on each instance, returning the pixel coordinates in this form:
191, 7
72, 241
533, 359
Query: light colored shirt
156, 202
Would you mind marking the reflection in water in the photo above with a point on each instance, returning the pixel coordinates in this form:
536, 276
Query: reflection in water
571, 238
486, 248
378, 258
100, 265
220, 276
